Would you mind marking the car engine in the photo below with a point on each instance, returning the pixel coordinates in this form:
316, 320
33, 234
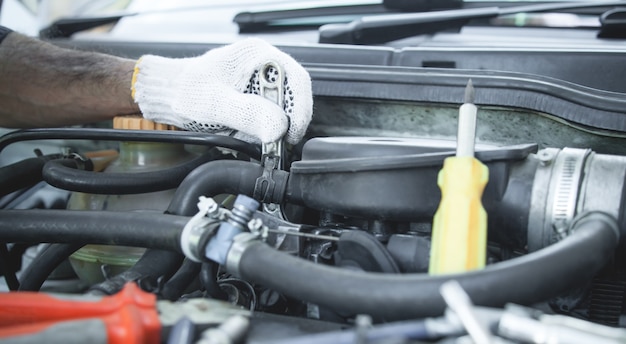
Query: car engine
331, 240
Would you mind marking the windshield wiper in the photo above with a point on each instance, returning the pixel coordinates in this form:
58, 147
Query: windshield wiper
249, 22
386, 28
261, 21
66, 27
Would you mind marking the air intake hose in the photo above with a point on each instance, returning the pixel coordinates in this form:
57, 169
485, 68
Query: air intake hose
525, 280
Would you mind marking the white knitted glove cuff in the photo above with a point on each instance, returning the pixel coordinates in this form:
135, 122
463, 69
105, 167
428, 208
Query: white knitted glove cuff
154, 89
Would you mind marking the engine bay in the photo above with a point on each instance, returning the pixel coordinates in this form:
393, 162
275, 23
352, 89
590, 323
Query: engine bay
335, 246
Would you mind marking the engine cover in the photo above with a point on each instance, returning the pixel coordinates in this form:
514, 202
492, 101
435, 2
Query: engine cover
386, 179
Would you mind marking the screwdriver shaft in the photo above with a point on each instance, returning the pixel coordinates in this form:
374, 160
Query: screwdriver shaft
467, 124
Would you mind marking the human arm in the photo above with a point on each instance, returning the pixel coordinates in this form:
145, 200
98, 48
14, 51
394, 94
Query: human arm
42, 85
45, 85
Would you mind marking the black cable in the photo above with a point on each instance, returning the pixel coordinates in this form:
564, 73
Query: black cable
62, 176
5, 268
33, 277
202, 139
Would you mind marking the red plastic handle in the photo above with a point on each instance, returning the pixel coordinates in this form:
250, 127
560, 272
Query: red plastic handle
130, 316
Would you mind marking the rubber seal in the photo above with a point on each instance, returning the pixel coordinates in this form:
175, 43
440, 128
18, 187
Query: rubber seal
4, 32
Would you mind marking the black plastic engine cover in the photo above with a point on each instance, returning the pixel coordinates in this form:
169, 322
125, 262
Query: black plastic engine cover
387, 179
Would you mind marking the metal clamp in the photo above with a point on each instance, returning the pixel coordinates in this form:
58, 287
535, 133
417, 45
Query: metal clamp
555, 195
241, 242
209, 213
236, 223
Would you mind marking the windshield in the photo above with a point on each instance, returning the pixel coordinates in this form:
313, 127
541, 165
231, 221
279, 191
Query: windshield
45, 12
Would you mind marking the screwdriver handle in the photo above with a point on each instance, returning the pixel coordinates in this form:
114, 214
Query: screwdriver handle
459, 240
129, 316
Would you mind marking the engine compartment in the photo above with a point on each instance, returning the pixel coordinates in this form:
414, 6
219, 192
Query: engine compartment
337, 244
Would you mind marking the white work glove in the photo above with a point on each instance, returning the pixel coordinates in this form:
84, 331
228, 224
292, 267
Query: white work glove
218, 92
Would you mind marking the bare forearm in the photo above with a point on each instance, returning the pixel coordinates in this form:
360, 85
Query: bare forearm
44, 85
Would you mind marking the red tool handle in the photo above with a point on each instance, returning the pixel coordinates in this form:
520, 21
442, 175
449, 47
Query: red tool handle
130, 316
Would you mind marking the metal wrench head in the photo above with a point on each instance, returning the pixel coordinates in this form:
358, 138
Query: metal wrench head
272, 87
272, 83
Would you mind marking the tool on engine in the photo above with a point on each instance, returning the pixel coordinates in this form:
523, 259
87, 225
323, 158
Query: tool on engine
130, 316
459, 234
127, 317
460, 303
271, 86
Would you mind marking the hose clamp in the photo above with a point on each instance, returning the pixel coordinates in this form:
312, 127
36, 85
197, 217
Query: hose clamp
236, 223
555, 195
199, 228
241, 242
566, 178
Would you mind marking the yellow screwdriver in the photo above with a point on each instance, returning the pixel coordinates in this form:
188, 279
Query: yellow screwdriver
459, 234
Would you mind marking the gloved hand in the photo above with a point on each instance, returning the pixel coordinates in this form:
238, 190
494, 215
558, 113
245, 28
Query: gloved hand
218, 92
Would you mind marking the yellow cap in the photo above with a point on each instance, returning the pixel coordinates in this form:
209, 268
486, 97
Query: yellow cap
136, 122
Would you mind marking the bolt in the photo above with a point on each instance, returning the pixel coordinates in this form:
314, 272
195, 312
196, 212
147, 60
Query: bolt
545, 157
210, 206
271, 300
255, 225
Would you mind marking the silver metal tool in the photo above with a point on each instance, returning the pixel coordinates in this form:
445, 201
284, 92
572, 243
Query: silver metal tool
459, 302
272, 87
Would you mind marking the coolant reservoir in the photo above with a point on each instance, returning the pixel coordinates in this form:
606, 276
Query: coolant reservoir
91, 261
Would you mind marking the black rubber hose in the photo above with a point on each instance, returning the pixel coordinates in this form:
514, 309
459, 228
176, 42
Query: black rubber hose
6, 268
525, 280
208, 278
152, 266
45, 262
203, 139
58, 174
152, 230
176, 286
211, 179
22, 174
